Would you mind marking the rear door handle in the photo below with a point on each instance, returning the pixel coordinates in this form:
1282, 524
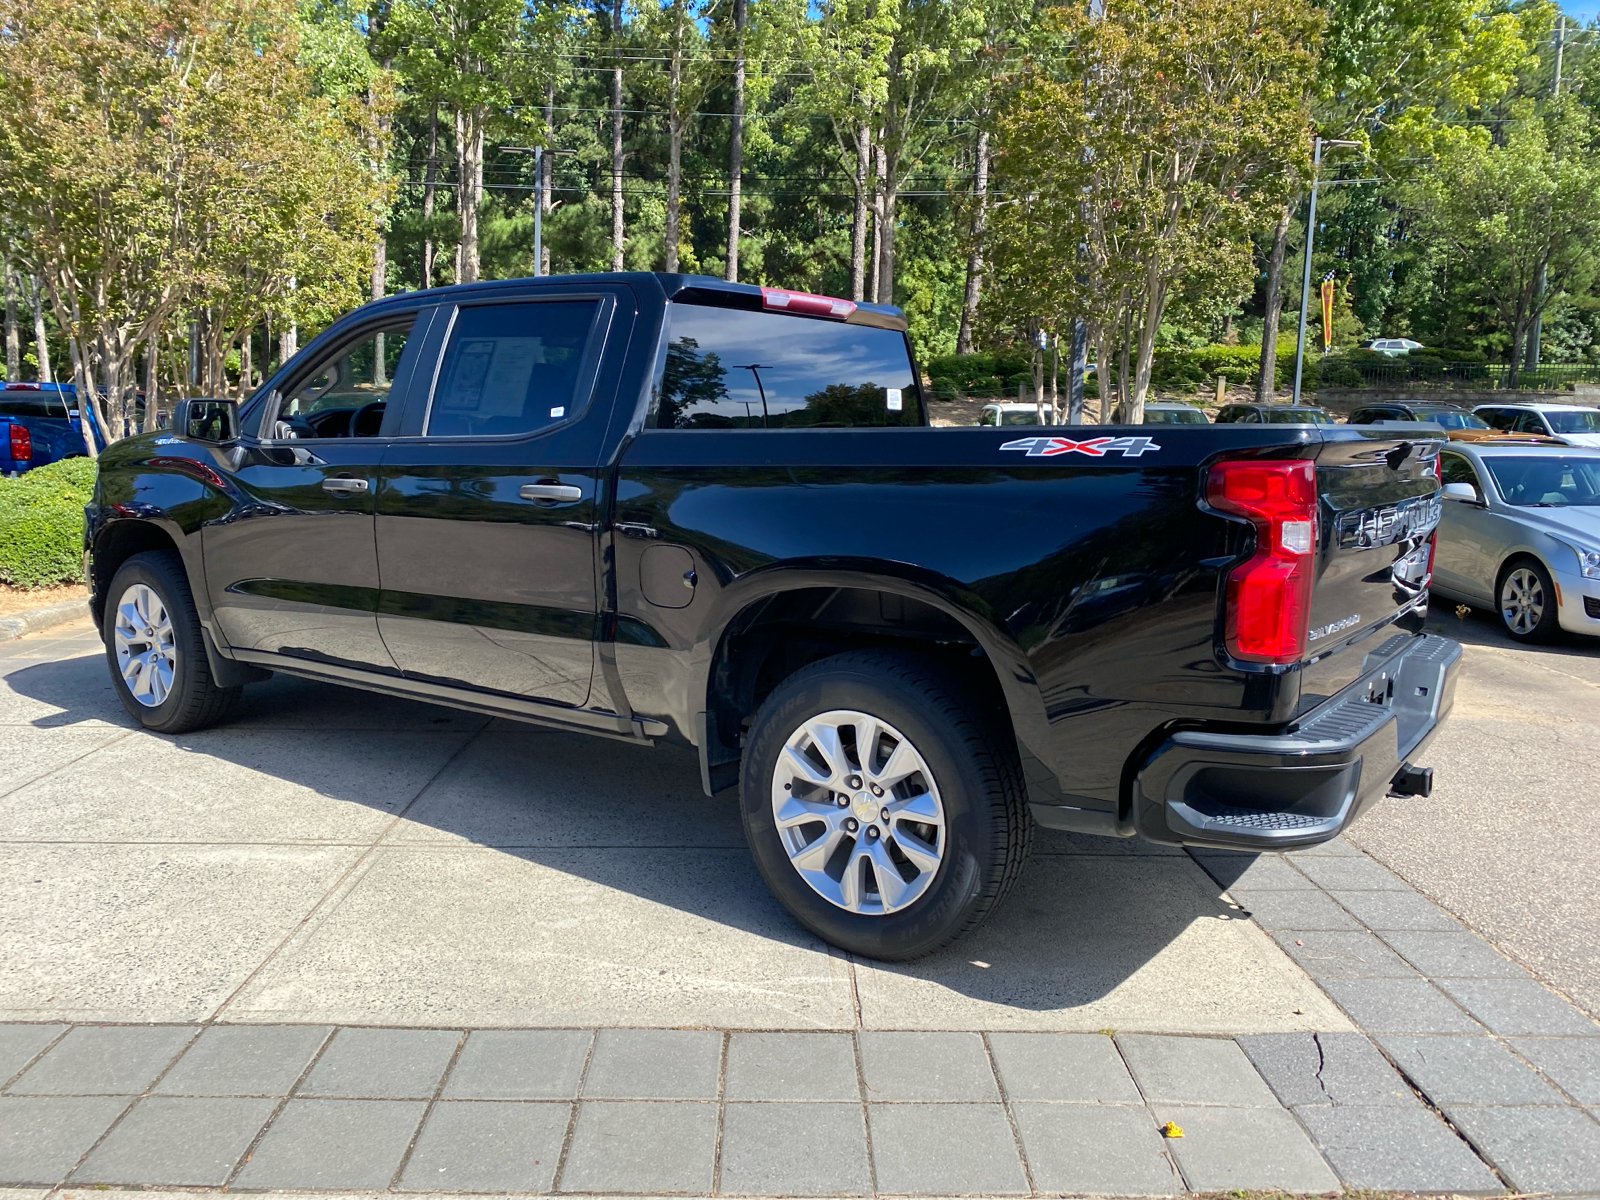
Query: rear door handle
343, 483
551, 491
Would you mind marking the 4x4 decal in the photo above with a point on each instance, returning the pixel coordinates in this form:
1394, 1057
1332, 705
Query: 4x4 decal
1047, 447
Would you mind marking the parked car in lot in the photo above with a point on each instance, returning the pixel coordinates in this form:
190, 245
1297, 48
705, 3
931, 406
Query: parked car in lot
1012, 412
1520, 530
1274, 414
1393, 347
1458, 424
1569, 424
666, 507
1164, 413
40, 425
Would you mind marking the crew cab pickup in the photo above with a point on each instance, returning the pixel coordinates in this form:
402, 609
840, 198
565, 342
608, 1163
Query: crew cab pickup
665, 507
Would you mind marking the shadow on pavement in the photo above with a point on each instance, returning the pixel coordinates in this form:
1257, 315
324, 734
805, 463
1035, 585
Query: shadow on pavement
1088, 914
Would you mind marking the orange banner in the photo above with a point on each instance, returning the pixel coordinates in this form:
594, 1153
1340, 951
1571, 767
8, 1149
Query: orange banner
1327, 312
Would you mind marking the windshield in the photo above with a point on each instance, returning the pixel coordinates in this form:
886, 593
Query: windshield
1546, 481
1449, 419
1296, 416
1581, 421
1174, 416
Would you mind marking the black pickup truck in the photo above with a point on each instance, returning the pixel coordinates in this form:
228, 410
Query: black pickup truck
667, 507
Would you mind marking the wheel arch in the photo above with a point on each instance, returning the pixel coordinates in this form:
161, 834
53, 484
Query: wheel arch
774, 621
114, 544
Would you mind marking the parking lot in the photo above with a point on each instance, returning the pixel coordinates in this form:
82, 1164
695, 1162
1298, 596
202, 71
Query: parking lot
502, 959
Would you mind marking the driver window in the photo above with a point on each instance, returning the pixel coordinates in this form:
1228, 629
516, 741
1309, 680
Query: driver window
1455, 469
346, 394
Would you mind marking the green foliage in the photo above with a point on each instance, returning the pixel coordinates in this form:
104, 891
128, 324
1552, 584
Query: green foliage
979, 375
41, 524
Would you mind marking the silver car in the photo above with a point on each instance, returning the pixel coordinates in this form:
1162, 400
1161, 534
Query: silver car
1520, 530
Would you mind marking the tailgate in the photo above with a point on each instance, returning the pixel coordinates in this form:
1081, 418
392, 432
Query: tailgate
1378, 505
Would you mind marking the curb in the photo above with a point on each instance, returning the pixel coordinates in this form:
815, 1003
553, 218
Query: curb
32, 620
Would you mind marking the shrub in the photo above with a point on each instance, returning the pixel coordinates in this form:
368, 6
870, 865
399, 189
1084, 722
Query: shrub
41, 524
980, 375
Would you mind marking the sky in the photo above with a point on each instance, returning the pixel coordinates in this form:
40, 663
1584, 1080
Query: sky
1582, 10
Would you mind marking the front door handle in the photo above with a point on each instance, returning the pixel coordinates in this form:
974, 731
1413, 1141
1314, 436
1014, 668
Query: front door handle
551, 491
343, 483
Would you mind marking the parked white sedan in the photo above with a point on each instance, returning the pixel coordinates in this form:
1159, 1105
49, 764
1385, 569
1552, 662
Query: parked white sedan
1520, 530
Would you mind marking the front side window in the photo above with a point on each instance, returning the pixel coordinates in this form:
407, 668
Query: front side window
1544, 481
1578, 421
1453, 468
346, 394
732, 369
511, 369
1529, 422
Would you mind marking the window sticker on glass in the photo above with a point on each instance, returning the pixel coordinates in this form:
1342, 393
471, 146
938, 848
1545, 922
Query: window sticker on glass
892, 398
510, 368
557, 412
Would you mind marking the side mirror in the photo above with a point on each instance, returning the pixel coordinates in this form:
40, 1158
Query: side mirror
205, 419
1461, 491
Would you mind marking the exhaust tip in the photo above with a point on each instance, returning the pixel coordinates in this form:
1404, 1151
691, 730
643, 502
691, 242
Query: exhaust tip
1412, 781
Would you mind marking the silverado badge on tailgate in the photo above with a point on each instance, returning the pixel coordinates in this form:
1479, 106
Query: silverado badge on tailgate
1047, 447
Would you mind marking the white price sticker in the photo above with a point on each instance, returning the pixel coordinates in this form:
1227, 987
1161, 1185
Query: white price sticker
892, 396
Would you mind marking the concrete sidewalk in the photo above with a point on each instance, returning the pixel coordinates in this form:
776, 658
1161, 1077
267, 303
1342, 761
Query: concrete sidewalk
354, 943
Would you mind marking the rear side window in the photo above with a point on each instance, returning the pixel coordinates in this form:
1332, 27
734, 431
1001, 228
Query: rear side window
511, 369
1498, 418
732, 369
36, 406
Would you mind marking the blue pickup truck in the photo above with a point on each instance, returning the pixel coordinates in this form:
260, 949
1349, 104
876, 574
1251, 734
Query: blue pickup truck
39, 424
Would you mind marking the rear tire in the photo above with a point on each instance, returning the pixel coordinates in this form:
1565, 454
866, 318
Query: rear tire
155, 649
955, 830
1527, 597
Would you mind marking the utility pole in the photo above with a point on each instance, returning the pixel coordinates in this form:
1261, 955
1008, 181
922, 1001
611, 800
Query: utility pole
1530, 356
1305, 276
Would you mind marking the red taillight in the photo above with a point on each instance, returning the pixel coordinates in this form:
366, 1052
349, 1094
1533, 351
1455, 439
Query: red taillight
806, 302
21, 442
1269, 597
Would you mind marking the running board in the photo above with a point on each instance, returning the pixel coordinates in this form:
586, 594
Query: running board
534, 712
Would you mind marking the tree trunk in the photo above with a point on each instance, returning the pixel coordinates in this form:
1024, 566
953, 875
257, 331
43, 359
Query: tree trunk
889, 165
13, 340
1124, 361
469, 189
1267, 378
152, 391
736, 144
41, 337
858, 222
980, 225
1102, 372
618, 227
430, 185
1038, 370
675, 124
1154, 305
875, 284
246, 367
380, 288
546, 164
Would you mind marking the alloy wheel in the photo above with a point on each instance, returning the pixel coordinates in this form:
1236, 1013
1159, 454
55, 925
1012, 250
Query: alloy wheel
1522, 601
858, 812
147, 653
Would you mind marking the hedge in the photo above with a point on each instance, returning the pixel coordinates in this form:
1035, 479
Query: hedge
41, 524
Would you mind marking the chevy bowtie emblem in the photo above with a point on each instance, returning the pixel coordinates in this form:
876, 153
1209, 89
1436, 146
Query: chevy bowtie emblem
1047, 447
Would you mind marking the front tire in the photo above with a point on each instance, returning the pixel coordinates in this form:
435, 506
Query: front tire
155, 648
1528, 602
890, 851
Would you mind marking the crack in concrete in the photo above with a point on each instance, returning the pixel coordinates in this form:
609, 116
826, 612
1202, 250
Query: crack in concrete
1322, 1061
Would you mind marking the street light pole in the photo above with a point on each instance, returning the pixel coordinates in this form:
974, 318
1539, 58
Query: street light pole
538, 153
1305, 276
756, 369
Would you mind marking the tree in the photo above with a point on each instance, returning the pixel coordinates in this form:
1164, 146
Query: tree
467, 54
1517, 217
674, 31
1141, 153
